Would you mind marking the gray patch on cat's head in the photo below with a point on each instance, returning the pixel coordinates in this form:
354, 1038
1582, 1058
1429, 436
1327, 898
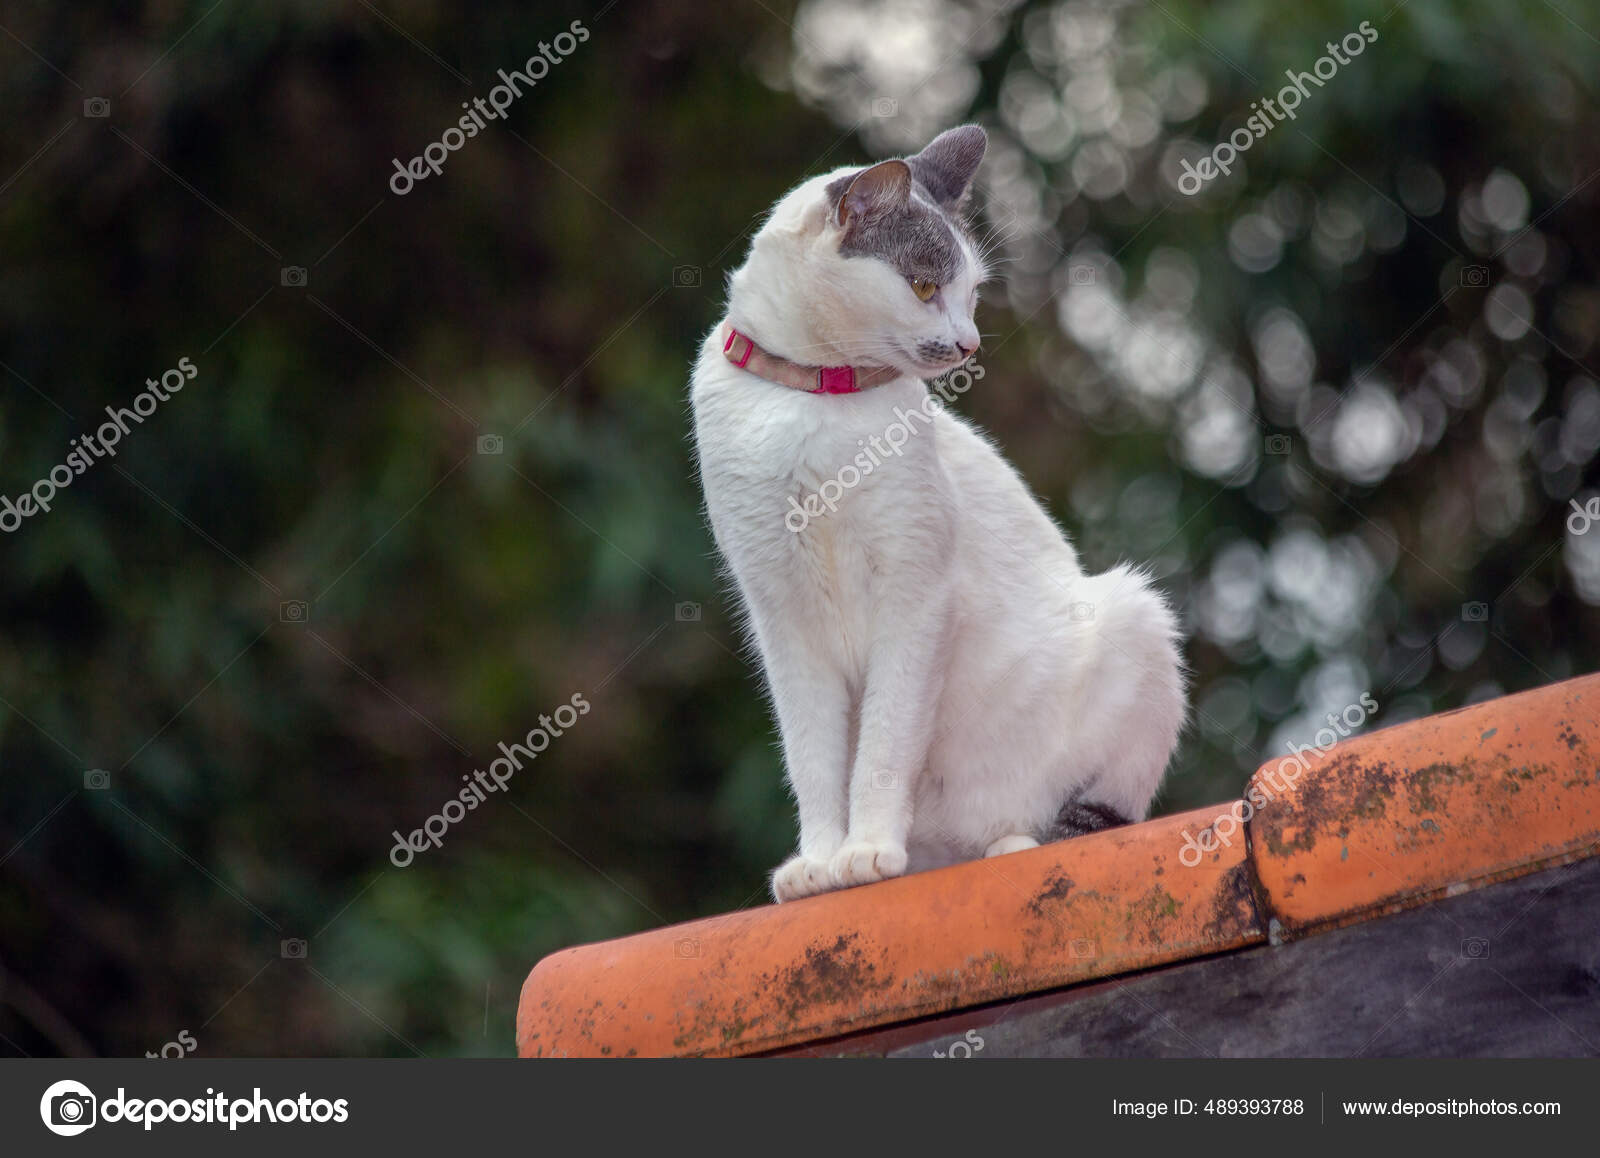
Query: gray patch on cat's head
908, 213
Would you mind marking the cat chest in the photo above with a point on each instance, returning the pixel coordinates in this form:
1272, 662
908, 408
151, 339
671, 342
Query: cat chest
825, 542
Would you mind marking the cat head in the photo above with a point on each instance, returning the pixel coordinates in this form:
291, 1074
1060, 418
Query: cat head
871, 266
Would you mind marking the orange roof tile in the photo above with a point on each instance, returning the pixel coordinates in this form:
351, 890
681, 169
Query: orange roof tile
1411, 813
1383, 821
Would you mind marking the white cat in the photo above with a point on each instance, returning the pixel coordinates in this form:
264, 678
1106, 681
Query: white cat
948, 682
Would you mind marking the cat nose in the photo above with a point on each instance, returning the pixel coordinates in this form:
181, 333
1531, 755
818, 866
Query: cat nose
966, 337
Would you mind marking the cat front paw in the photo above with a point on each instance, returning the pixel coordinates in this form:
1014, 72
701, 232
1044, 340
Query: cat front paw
800, 876
861, 862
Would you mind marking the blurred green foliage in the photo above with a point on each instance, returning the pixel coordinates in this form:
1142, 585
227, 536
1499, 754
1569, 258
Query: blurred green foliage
548, 289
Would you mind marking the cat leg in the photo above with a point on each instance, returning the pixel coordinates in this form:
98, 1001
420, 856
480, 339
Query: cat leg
905, 674
813, 707
1016, 842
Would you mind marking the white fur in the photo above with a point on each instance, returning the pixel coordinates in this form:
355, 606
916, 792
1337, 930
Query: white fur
939, 689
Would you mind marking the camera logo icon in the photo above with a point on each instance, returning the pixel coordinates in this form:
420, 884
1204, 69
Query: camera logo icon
1474, 612
686, 276
294, 611
68, 1108
292, 949
491, 444
96, 107
885, 107
1474, 276
884, 780
1083, 275
1080, 612
1084, 947
687, 613
1475, 948
685, 948
294, 276
1277, 444
97, 779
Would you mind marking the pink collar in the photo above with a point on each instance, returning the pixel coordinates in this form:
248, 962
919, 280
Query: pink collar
742, 351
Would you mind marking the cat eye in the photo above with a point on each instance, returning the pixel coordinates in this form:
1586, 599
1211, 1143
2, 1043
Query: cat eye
923, 288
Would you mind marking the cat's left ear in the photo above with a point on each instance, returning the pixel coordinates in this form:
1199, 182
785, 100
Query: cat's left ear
946, 167
881, 188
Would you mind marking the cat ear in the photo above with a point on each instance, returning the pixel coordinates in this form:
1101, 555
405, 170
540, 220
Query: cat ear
883, 187
946, 167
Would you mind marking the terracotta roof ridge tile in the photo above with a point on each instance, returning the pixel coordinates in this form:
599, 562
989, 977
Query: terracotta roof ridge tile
1375, 823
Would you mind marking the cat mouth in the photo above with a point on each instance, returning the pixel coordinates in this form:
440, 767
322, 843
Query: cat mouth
929, 368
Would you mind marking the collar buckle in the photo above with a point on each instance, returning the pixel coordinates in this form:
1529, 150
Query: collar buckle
738, 360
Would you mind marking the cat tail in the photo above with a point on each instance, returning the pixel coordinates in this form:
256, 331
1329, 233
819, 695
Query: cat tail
1141, 694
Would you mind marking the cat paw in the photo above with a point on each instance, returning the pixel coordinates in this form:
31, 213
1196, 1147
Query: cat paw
800, 876
861, 862
1016, 842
